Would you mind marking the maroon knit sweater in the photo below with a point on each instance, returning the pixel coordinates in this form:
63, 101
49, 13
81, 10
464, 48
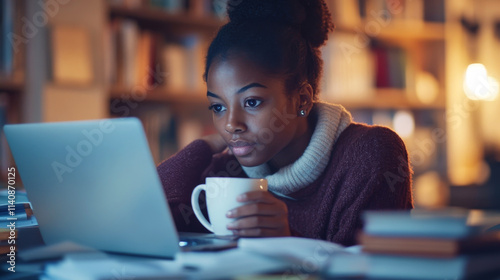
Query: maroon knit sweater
368, 169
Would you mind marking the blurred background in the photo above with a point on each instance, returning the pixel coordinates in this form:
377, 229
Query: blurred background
429, 69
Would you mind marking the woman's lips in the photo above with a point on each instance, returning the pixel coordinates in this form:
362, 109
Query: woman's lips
241, 148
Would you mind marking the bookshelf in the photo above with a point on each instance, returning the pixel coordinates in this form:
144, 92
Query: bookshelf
385, 62
393, 99
180, 97
12, 73
162, 73
419, 41
161, 19
425, 46
398, 30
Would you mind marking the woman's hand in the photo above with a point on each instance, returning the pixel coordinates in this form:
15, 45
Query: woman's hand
264, 215
216, 143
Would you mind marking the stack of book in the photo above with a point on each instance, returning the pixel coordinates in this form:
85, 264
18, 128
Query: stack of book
423, 244
19, 211
428, 244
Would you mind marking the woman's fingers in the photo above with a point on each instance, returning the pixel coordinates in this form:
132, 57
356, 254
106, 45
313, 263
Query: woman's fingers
256, 222
256, 209
258, 196
262, 215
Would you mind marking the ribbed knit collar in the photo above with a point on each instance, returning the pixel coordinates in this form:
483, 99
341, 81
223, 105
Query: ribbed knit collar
332, 119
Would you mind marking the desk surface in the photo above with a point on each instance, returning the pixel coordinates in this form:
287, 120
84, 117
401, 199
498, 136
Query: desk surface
30, 237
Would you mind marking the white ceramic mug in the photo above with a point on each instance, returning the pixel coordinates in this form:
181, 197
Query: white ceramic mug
221, 194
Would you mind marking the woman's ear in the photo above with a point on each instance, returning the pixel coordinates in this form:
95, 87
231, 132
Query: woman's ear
305, 95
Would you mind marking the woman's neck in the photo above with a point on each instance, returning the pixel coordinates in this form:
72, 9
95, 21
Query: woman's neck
294, 149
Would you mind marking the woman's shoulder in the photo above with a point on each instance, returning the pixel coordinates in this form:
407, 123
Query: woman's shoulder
370, 134
371, 140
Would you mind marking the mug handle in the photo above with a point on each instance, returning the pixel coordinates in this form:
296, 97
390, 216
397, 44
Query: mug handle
196, 206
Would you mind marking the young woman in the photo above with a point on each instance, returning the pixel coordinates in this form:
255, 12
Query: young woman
262, 72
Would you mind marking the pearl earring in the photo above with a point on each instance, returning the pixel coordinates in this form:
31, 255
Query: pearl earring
302, 113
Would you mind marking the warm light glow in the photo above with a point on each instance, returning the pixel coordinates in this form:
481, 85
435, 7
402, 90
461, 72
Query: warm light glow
382, 118
404, 123
429, 191
427, 87
478, 85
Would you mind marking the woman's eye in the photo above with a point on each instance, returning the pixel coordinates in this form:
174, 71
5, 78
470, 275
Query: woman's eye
252, 103
216, 108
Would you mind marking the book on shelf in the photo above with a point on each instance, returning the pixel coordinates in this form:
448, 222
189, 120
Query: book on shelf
434, 10
127, 48
71, 55
172, 6
6, 30
414, 10
348, 69
12, 44
184, 64
345, 13
196, 49
390, 66
195, 8
388, 10
5, 156
174, 58
144, 60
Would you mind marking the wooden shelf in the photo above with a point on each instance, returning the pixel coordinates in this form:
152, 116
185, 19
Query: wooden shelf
390, 99
160, 19
162, 95
10, 87
401, 30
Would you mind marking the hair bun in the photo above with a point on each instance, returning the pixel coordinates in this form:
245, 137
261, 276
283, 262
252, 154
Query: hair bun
282, 11
310, 17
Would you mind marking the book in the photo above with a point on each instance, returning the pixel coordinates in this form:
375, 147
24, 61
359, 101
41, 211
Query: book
348, 69
346, 13
431, 247
175, 62
142, 61
444, 223
390, 66
6, 29
195, 50
414, 10
5, 234
129, 36
71, 55
460, 267
380, 266
22, 211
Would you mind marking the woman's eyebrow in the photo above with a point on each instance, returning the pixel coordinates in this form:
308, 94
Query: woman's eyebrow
250, 86
211, 94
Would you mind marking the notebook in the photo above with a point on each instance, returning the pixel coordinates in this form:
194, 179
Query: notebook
95, 183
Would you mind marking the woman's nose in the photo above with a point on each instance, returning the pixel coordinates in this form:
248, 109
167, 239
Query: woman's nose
235, 123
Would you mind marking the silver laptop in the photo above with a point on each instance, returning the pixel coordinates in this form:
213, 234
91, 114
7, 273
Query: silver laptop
95, 183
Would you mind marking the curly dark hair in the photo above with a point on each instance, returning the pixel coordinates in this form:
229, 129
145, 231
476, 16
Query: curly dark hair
282, 36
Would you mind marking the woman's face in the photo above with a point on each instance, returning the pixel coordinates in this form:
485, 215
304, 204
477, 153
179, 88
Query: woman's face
252, 112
